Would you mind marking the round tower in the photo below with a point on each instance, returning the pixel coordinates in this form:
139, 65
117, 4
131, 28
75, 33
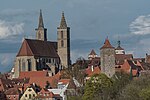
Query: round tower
107, 54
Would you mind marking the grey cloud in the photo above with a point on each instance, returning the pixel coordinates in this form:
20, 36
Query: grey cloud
141, 25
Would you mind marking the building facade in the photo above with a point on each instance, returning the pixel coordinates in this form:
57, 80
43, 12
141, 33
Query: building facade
40, 54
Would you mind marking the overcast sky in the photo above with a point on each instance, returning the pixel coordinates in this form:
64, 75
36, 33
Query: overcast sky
91, 21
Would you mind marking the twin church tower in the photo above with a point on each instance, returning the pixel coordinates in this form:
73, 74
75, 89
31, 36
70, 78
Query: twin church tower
41, 54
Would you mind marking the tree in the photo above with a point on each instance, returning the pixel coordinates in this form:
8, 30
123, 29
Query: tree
145, 94
96, 87
120, 80
137, 89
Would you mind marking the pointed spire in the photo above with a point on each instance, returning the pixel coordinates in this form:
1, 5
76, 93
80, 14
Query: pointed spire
92, 52
107, 44
63, 23
41, 24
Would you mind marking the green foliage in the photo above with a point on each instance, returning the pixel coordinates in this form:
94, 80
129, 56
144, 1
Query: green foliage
120, 80
137, 89
145, 94
96, 87
74, 98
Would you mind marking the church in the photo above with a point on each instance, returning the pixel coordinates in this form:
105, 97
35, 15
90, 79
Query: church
40, 54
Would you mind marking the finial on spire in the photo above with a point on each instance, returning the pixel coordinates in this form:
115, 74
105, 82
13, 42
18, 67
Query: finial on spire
118, 43
63, 23
41, 24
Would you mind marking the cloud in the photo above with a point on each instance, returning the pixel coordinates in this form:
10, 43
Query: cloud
141, 25
16, 13
6, 59
10, 29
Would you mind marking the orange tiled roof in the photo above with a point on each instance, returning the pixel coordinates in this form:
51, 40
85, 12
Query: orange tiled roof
64, 81
28, 74
89, 71
41, 81
107, 44
121, 57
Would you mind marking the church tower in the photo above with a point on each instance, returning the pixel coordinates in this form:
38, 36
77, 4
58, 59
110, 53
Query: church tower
107, 54
41, 32
63, 36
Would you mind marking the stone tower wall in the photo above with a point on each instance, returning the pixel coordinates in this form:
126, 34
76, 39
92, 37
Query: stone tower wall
19, 64
64, 48
108, 61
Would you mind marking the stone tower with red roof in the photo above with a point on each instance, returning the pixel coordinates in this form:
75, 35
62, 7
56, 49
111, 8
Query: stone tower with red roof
107, 54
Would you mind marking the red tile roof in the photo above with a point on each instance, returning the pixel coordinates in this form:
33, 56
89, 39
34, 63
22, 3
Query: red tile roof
32, 47
121, 57
12, 91
28, 74
64, 81
89, 72
42, 81
107, 44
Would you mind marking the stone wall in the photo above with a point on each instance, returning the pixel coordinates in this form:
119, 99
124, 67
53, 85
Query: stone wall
108, 61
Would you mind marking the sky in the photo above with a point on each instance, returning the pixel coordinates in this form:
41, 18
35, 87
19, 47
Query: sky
91, 21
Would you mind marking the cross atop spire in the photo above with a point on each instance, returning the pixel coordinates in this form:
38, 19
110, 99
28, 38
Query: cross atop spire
41, 24
63, 23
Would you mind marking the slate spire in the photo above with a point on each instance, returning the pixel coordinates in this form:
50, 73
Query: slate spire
63, 23
41, 24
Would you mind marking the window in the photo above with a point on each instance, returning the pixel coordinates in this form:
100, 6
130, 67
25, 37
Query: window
33, 95
25, 95
29, 96
23, 65
62, 43
62, 34
19, 65
49, 60
29, 90
39, 35
29, 65
9, 97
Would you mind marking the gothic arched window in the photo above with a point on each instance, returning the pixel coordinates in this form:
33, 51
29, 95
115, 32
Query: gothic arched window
62, 35
23, 65
19, 65
29, 65
62, 43
39, 35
